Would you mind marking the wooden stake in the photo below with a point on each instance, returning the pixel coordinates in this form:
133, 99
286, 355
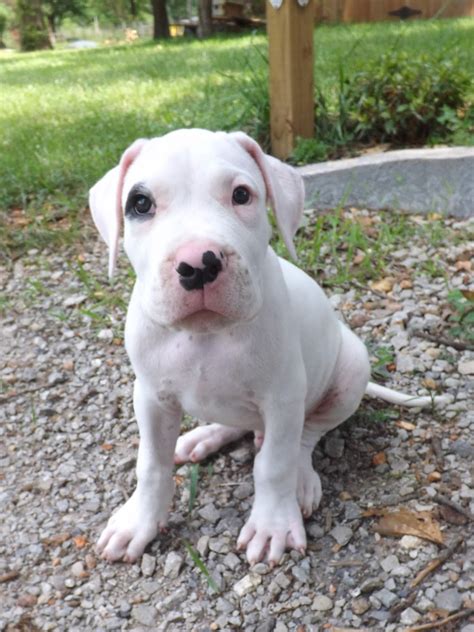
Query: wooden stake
290, 40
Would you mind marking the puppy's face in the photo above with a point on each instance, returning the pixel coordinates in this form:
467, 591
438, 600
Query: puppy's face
196, 227
196, 230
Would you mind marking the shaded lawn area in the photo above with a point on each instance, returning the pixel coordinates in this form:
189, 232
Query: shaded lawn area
66, 116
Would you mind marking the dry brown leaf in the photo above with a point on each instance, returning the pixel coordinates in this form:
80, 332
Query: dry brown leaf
80, 541
463, 265
469, 294
345, 496
406, 425
429, 383
57, 539
379, 458
18, 218
406, 284
383, 285
107, 447
407, 522
358, 320
358, 258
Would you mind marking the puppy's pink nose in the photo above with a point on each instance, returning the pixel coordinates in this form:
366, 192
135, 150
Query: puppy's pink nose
198, 263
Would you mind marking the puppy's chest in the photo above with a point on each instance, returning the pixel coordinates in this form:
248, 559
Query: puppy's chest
210, 382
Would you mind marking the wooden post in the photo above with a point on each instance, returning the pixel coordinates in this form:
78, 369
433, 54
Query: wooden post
290, 41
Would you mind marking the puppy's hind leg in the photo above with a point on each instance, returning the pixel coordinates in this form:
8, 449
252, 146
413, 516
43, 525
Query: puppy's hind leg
202, 441
340, 402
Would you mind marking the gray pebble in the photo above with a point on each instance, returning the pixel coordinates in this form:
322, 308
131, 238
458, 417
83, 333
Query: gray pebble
389, 563
146, 615
409, 616
322, 603
266, 626
209, 513
148, 565
463, 449
450, 600
352, 511
387, 597
342, 534
173, 564
334, 446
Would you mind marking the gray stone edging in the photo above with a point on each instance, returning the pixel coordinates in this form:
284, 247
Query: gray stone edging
416, 180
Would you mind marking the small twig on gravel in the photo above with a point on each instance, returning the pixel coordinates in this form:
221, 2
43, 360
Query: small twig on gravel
433, 565
442, 500
14, 394
328, 521
342, 563
402, 605
447, 342
9, 576
367, 288
438, 450
435, 625
90, 392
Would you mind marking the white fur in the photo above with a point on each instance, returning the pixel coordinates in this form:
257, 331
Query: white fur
260, 349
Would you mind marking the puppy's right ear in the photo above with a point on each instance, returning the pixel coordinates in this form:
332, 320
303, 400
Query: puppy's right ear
105, 201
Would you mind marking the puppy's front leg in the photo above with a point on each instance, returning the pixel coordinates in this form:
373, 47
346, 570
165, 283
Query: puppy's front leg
137, 522
275, 522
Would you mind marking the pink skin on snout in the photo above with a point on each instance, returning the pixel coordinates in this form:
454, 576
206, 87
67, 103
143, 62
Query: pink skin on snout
206, 300
192, 253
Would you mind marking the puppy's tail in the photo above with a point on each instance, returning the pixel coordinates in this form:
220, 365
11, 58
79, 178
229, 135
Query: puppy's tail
402, 399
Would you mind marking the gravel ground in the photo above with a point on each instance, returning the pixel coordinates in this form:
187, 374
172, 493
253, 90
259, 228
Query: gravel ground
68, 444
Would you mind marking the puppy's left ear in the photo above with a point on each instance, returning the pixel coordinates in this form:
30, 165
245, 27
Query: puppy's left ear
285, 189
105, 201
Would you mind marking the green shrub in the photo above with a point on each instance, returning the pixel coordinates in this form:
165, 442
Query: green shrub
403, 100
309, 150
5, 15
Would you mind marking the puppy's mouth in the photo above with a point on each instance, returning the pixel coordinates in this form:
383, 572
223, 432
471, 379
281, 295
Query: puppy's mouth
204, 320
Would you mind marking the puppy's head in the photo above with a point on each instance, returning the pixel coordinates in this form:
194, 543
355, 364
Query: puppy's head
196, 229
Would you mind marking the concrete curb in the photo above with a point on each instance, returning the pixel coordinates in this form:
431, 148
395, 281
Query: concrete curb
415, 180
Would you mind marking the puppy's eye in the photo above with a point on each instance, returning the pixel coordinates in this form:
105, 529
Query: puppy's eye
241, 195
141, 204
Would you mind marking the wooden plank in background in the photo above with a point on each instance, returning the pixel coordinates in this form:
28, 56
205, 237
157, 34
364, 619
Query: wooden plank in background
377, 10
290, 41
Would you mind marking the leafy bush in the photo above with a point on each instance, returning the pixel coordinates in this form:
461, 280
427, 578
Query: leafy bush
5, 15
309, 150
404, 100
462, 305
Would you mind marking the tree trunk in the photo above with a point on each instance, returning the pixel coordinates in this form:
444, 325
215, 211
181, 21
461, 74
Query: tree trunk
161, 28
205, 18
33, 30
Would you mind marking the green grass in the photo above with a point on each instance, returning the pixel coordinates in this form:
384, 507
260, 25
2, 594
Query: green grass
66, 116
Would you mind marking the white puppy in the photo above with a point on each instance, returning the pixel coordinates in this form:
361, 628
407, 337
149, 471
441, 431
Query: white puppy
220, 327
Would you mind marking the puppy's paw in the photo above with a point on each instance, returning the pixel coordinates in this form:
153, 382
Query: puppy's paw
309, 490
127, 533
271, 530
202, 441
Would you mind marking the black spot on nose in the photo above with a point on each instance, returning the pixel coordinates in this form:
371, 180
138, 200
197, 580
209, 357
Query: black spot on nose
212, 266
185, 270
192, 278
189, 277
